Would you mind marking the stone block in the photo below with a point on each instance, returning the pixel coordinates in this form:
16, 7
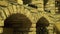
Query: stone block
3, 3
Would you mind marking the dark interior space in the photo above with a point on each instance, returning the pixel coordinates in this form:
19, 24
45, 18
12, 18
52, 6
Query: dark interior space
17, 24
41, 25
26, 1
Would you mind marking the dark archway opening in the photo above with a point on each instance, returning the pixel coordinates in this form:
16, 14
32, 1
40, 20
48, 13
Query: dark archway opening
41, 26
17, 24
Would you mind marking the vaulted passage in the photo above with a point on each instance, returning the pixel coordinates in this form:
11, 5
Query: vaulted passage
17, 24
41, 25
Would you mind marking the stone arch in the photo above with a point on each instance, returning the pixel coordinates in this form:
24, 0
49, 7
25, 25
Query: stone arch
41, 25
17, 24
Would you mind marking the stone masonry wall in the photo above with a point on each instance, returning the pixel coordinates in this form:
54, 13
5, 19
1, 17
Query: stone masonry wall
33, 14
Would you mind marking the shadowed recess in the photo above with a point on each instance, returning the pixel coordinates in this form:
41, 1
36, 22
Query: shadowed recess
41, 25
27, 1
45, 2
17, 24
32, 5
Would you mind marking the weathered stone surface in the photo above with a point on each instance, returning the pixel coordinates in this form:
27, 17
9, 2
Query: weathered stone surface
3, 3
32, 14
57, 28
